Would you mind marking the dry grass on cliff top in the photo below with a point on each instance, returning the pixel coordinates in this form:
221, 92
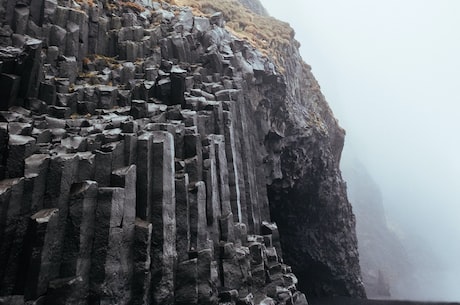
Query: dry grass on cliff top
271, 36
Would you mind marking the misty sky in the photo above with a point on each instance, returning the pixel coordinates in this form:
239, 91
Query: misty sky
391, 72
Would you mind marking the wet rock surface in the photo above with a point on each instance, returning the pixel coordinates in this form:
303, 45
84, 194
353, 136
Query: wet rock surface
137, 142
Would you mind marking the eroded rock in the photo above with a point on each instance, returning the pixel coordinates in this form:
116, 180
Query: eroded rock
136, 147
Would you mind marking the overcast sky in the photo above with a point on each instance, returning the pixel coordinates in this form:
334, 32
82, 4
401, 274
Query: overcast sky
391, 72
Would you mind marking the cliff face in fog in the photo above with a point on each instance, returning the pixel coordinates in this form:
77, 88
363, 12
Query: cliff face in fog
146, 153
385, 265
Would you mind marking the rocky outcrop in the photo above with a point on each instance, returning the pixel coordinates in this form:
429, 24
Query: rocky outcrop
137, 141
307, 194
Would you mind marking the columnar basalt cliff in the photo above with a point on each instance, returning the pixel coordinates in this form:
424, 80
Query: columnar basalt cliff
143, 150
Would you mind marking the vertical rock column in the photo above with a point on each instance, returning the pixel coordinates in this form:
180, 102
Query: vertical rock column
236, 269
41, 252
226, 218
233, 175
26, 199
193, 154
73, 284
187, 283
20, 147
63, 170
163, 218
182, 218
144, 186
247, 156
11, 198
198, 228
108, 281
141, 258
213, 209
126, 178
240, 178
207, 277
78, 242
4, 147
16, 208
36, 171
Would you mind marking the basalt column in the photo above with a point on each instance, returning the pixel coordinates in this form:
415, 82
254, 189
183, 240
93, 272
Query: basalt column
163, 218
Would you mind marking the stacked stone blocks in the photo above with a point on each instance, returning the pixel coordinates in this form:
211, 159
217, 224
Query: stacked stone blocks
127, 166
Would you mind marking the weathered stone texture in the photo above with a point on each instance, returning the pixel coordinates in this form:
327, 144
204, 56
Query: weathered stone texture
136, 146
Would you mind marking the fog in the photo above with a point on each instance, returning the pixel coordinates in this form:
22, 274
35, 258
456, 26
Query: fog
391, 72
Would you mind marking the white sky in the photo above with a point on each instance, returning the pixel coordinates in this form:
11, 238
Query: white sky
390, 71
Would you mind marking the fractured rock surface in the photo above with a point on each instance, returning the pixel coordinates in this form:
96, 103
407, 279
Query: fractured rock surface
137, 141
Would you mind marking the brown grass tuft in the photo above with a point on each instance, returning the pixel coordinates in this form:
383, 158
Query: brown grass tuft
90, 3
133, 5
267, 34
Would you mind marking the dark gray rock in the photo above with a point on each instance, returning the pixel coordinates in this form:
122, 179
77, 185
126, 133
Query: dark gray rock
126, 178
197, 214
68, 68
107, 279
72, 39
182, 217
20, 19
12, 300
9, 90
217, 19
20, 147
57, 36
47, 93
164, 227
80, 224
141, 259
36, 171
185, 21
201, 24
163, 116
66, 291
11, 232
41, 253
187, 282
177, 86
107, 96
144, 176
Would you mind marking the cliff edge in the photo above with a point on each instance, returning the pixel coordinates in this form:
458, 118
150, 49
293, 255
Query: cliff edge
146, 150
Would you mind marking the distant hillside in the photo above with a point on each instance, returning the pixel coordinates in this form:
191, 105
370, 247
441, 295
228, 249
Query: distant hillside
383, 258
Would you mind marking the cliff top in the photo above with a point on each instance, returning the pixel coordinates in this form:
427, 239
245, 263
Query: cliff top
269, 35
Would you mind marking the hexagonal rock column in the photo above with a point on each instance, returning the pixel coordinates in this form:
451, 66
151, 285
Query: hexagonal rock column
78, 241
182, 217
108, 282
41, 253
186, 289
11, 200
197, 212
144, 176
163, 218
141, 258
20, 147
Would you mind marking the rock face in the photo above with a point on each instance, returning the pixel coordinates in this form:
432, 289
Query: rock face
307, 195
385, 263
143, 149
